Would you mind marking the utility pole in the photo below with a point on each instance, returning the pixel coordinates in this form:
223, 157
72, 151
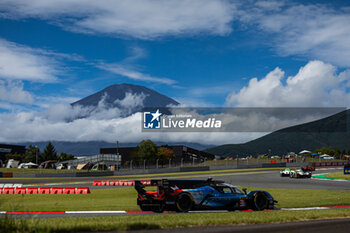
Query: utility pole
118, 157
36, 154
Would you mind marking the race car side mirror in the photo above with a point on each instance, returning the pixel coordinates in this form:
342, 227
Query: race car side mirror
245, 191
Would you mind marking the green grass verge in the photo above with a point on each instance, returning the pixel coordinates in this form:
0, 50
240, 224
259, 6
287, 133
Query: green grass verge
338, 175
125, 199
164, 221
100, 199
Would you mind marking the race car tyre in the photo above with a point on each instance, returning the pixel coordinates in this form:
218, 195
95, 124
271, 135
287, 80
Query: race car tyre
144, 208
184, 202
260, 201
159, 209
156, 209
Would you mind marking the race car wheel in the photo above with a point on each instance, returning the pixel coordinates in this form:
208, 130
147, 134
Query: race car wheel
144, 208
156, 209
184, 202
261, 201
159, 209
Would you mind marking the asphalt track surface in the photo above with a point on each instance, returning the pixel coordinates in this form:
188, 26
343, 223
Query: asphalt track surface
273, 180
319, 226
263, 179
44, 180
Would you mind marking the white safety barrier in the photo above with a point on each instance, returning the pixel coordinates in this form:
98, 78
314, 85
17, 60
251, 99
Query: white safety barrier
10, 185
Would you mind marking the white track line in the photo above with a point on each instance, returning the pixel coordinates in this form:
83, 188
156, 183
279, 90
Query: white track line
97, 212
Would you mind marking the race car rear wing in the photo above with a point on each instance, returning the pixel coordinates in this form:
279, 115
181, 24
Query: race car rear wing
168, 184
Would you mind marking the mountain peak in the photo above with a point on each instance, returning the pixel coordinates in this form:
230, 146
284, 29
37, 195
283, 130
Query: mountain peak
126, 96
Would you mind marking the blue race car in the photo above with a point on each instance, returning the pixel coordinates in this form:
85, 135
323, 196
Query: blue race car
186, 195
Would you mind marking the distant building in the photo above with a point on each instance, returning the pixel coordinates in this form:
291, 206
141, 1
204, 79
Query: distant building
10, 149
181, 152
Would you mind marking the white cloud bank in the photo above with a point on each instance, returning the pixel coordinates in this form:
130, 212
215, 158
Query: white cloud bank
31, 127
146, 19
13, 92
317, 84
316, 31
62, 123
18, 62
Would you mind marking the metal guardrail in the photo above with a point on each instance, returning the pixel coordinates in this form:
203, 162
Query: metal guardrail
94, 159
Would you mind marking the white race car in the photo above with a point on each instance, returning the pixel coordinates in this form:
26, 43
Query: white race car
300, 173
285, 172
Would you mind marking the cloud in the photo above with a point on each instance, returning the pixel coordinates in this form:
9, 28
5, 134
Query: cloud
130, 72
35, 126
128, 69
24, 63
191, 102
131, 100
316, 31
13, 92
63, 122
145, 19
46, 102
317, 84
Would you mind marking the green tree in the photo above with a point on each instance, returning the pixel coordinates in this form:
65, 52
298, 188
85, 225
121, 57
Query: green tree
31, 154
325, 150
64, 157
15, 156
49, 153
164, 154
330, 151
146, 150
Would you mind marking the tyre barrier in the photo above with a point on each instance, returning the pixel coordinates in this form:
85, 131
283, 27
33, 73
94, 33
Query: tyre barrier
118, 182
45, 190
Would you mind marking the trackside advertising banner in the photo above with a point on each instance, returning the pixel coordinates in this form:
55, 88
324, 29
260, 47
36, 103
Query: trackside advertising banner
237, 119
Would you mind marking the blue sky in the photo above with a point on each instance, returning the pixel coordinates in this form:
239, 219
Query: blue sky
221, 53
